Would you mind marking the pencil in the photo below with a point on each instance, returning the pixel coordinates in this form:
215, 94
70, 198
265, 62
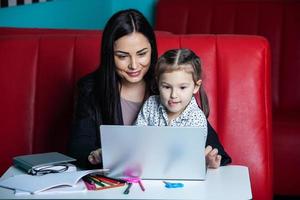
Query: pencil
107, 180
116, 180
96, 181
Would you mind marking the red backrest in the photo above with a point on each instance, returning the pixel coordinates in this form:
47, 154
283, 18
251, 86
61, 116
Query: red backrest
277, 20
38, 75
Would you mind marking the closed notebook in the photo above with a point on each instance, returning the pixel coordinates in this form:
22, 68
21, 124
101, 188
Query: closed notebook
31, 162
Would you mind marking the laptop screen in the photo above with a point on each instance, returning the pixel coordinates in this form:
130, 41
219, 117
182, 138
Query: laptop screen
151, 152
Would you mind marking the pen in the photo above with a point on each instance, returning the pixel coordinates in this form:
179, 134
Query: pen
141, 185
128, 188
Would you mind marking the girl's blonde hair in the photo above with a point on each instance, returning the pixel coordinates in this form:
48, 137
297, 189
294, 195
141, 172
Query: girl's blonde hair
187, 60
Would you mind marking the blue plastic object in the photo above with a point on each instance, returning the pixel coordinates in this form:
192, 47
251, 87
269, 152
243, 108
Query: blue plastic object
173, 185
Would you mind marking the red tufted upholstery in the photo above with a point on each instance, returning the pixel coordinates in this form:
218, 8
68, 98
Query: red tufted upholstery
38, 73
279, 22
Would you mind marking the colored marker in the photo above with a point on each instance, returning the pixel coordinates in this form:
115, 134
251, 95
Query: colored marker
86, 179
89, 186
128, 188
141, 185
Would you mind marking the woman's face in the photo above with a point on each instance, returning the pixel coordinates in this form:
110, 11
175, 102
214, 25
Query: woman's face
132, 56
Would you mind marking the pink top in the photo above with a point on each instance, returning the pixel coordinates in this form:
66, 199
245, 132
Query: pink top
130, 110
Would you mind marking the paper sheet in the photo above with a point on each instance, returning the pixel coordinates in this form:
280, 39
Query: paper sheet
79, 187
34, 184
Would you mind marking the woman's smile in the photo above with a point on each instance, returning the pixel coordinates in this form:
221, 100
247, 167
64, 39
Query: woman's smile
134, 73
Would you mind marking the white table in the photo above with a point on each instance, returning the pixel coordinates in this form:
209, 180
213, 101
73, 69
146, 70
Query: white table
228, 182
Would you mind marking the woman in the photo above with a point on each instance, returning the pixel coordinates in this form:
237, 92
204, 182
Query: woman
115, 92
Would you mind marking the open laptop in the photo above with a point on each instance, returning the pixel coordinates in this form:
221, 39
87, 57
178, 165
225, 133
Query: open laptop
151, 152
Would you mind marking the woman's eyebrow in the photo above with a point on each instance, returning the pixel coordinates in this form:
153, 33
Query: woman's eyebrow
139, 51
123, 52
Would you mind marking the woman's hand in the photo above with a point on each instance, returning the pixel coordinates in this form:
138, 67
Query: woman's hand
213, 160
95, 157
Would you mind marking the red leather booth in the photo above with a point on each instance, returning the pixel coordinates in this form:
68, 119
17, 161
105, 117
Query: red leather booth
38, 73
279, 22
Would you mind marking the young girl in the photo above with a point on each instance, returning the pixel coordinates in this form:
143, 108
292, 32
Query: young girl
178, 74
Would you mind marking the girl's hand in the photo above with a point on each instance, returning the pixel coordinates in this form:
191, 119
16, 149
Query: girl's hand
213, 160
95, 157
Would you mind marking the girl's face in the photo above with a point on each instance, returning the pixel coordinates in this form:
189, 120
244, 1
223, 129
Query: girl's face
132, 56
176, 90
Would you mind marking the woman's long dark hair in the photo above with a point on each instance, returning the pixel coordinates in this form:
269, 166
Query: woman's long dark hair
107, 87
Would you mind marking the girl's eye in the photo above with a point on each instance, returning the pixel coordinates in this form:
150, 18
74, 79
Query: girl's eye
182, 87
165, 87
